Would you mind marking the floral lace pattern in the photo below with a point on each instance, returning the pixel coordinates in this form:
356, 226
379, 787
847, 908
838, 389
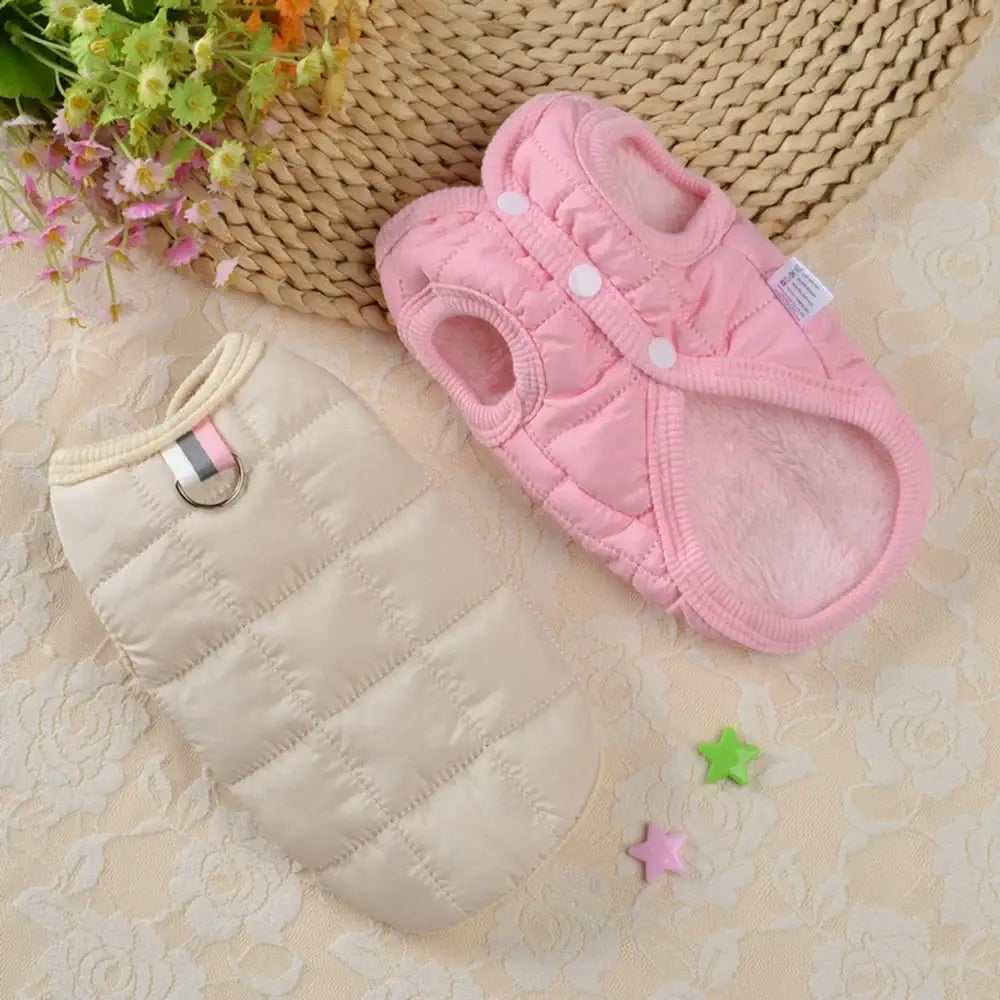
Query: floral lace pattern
862, 860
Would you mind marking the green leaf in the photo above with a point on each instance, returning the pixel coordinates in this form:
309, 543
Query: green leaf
263, 83
21, 75
181, 152
139, 10
260, 44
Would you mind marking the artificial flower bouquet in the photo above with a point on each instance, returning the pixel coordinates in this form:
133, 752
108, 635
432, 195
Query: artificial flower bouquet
107, 109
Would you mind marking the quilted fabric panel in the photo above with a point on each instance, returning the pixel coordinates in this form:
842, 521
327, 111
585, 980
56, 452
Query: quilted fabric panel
342, 652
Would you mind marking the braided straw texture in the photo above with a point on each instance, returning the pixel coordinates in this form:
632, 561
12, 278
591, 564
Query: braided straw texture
793, 106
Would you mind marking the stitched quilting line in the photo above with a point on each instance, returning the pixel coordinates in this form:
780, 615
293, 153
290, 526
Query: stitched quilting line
383, 673
542, 449
110, 574
634, 377
133, 556
540, 237
451, 775
598, 198
290, 593
565, 521
418, 648
353, 769
591, 332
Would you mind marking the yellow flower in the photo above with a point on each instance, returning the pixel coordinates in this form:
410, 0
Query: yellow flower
260, 157
309, 69
154, 82
101, 47
226, 160
64, 11
89, 19
204, 53
77, 108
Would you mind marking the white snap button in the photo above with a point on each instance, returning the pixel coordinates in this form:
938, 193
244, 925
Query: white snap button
662, 353
513, 203
584, 281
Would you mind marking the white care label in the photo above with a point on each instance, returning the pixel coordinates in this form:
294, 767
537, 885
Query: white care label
799, 291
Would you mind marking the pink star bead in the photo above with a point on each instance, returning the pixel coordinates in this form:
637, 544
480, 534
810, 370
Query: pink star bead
660, 851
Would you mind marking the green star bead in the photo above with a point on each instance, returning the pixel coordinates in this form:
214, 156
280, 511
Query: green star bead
728, 758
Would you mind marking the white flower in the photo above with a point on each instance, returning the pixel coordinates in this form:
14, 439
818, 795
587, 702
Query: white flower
28, 371
235, 881
24, 599
919, 727
115, 958
882, 956
65, 734
968, 858
972, 973
725, 831
982, 377
627, 685
951, 256
431, 981
401, 977
560, 922
957, 489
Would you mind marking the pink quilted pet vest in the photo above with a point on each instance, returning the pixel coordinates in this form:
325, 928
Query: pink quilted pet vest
603, 320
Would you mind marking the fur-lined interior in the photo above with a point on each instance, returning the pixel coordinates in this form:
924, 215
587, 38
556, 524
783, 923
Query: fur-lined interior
476, 351
660, 203
792, 510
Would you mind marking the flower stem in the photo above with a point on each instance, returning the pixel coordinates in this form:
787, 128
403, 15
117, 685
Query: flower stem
112, 291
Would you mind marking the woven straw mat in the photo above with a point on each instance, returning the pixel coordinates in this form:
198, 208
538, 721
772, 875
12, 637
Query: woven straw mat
793, 106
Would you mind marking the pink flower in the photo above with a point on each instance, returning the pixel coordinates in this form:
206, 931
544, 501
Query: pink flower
145, 209
85, 159
225, 271
177, 210
88, 149
31, 192
51, 154
182, 172
83, 264
13, 239
183, 252
118, 309
52, 274
58, 206
59, 125
201, 211
135, 237
227, 187
72, 316
144, 177
111, 186
118, 240
52, 236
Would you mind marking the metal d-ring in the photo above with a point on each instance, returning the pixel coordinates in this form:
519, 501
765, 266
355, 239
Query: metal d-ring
234, 494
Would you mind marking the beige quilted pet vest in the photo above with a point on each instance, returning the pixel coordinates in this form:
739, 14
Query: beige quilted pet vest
335, 642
